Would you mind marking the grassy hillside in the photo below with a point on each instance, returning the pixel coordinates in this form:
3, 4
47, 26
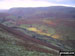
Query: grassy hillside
12, 46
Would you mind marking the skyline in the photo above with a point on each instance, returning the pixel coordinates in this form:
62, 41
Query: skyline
7, 4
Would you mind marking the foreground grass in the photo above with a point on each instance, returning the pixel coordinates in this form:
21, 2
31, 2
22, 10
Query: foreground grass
9, 47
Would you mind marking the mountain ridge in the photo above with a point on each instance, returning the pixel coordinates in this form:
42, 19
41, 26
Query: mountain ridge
43, 12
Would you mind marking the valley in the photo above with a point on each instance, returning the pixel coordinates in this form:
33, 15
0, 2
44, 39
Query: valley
37, 31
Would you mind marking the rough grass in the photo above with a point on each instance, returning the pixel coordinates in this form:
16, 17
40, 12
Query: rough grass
8, 47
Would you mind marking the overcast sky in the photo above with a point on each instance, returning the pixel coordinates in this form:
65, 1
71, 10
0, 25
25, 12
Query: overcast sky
6, 4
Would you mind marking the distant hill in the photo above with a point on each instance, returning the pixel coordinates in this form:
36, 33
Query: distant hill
44, 12
3, 10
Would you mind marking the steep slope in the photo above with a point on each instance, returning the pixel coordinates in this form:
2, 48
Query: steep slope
15, 40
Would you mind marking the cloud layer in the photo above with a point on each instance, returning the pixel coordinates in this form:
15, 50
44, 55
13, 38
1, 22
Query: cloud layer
6, 4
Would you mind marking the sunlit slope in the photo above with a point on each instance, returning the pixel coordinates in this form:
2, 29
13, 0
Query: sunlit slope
62, 30
42, 33
50, 27
42, 29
